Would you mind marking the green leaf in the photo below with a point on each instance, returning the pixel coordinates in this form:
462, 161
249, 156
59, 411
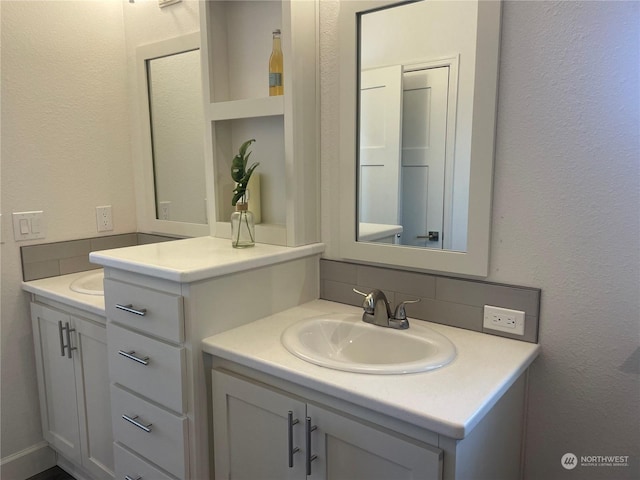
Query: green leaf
245, 145
239, 173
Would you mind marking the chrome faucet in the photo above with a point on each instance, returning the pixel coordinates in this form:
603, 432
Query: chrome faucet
378, 311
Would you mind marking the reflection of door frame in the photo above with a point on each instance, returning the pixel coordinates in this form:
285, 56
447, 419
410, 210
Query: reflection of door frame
452, 103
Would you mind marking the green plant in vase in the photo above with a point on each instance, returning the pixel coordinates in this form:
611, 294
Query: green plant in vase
242, 226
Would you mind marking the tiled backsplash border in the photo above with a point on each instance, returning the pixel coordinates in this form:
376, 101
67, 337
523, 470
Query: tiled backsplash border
451, 301
60, 258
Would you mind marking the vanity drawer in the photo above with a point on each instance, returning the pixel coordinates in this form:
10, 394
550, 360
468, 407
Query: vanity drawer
165, 442
129, 465
149, 367
158, 313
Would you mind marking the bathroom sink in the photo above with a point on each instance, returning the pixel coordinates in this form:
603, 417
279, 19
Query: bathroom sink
345, 342
89, 284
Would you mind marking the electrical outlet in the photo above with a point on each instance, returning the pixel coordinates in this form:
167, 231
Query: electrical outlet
504, 320
104, 219
164, 210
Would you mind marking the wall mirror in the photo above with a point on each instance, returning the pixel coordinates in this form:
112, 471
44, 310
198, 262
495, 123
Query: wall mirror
172, 121
418, 102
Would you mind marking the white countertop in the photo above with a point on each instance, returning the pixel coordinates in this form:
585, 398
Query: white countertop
58, 289
450, 401
194, 259
376, 231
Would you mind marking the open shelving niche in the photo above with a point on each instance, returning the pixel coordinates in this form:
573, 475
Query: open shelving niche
236, 45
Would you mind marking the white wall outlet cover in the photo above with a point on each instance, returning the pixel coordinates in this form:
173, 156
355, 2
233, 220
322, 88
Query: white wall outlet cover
503, 320
104, 218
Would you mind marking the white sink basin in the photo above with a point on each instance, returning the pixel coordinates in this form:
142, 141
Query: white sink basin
89, 284
345, 342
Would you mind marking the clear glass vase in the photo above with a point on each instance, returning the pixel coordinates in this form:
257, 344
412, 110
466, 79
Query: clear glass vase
243, 231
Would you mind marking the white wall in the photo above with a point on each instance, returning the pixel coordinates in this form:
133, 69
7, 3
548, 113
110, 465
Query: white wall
565, 215
69, 117
65, 150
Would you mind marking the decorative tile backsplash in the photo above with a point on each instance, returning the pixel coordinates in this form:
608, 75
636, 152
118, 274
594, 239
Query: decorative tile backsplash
451, 301
60, 258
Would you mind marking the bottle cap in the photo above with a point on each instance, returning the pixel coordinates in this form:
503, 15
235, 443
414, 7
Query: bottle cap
241, 207
276, 32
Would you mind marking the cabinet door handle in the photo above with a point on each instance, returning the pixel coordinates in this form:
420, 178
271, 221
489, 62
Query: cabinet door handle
133, 420
128, 477
69, 347
291, 422
62, 345
131, 356
310, 458
129, 308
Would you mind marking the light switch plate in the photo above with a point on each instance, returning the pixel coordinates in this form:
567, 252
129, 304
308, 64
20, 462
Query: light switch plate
28, 225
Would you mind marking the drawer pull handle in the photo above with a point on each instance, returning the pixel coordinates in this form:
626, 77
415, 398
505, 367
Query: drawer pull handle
127, 477
146, 428
291, 422
129, 308
131, 356
69, 347
310, 458
62, 345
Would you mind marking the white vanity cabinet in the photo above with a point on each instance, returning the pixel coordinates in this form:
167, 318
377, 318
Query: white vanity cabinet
262, 432
459, 422
161, 301
73, 384
147, 367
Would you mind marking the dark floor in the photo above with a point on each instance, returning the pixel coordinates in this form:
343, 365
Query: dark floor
55, 473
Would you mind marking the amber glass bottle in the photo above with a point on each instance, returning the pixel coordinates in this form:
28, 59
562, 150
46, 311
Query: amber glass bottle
275, 67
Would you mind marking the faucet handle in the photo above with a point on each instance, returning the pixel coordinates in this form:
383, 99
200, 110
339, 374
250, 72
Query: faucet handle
368, 303
400, 313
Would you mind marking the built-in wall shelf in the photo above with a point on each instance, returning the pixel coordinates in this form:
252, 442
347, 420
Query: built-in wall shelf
246, 108
236, 44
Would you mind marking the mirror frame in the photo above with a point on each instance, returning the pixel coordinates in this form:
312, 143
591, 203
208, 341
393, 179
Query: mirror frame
475, 261
145, 195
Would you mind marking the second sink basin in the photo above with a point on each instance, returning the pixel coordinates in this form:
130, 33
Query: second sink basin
345, 342
89, 284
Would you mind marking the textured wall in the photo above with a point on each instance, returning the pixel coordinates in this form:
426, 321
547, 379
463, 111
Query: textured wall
565, 216
69, 116
65, 150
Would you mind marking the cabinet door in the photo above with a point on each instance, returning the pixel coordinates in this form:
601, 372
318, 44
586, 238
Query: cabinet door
56, 382
349, 450
251, 428
94, 406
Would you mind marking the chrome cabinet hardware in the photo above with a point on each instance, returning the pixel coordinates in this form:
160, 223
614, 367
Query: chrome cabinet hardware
131, 356
127, 477
69, 347
133, 420
67, 334
62, 345
291, 422
129, 308
310, 458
